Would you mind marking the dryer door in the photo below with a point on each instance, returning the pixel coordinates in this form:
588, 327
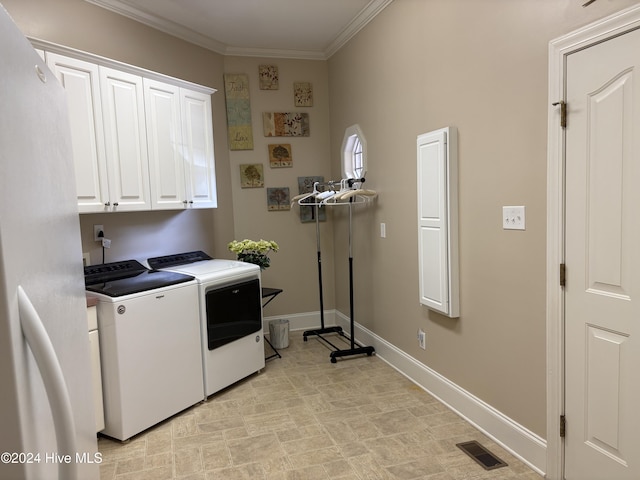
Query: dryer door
233, 312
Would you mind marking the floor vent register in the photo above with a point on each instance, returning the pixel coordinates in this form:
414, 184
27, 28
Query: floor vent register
484, 457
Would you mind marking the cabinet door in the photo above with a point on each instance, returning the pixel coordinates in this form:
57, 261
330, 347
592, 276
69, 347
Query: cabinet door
125, 140
81, 81
197, 131
438, 221
164, 141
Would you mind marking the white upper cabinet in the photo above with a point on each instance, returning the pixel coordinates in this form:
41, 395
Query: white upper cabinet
197, 130
81, 81
125, 140
141, 140
180, 141
164, 140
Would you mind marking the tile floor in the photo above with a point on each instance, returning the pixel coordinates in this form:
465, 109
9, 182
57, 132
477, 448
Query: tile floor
304, 418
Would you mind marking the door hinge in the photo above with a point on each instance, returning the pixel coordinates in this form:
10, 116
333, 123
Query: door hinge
563, 275
563, 113
563, 426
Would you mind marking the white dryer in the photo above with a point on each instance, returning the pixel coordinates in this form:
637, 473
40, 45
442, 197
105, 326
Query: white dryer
230, 315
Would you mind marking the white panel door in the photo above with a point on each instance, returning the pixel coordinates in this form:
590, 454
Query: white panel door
197, 130
82, 83
125, 140
164, 139
602, 293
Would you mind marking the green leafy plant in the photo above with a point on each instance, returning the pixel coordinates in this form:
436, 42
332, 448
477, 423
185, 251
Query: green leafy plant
254, 252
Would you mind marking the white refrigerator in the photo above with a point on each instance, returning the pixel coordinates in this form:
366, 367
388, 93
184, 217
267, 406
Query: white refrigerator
47, 428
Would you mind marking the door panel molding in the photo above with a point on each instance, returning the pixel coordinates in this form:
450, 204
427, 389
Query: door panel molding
609, 27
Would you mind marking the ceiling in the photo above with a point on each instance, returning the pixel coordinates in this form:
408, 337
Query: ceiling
307, 29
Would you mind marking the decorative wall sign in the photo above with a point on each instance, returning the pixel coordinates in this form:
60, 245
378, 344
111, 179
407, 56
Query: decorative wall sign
251, 175
278, 198
307, 214
293, 124
236, 91
303, 94
268, 77
280, 155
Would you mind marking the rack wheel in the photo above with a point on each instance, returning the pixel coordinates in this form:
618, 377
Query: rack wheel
333, 360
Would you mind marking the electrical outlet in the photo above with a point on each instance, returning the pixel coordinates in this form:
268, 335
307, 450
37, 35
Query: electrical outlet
422, 339
96, 233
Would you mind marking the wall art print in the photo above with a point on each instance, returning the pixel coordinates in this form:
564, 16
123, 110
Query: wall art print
302, 94
269, 77
236, 91
308, 214
251, 175
285, 124
280, 155
278, 198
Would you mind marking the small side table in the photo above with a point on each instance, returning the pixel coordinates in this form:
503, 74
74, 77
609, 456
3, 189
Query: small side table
270, 294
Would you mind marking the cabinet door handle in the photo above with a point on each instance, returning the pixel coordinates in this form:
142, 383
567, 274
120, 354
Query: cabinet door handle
115, 204
107, 204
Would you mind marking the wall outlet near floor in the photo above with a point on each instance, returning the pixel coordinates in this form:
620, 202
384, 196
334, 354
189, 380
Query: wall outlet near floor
422, 339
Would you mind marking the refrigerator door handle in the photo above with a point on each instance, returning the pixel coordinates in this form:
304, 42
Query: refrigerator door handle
54, 383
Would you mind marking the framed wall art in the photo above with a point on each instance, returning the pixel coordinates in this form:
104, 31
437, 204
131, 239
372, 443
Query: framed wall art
251, 175
308, 214
285, 124
236, 92
269, 77
278, 198
302, 94
280, 155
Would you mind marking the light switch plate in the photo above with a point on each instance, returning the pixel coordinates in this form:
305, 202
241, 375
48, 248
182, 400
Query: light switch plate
513, 218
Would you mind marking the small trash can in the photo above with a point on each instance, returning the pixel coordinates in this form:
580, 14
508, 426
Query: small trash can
279, 333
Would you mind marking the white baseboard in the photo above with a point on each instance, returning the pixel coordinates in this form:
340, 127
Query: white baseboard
519, 441
302, 321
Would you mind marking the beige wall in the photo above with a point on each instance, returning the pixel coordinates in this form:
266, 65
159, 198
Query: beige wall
480, 66
294, 267
83, 26
420, 65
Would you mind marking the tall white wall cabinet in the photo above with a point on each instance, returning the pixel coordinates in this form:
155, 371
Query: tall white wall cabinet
438, 221
141, 140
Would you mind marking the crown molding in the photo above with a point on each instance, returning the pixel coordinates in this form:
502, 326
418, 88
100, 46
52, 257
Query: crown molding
161, 24
147, 18
367, 14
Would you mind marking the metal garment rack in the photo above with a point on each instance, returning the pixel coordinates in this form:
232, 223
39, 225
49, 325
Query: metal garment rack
270, 293
347, 195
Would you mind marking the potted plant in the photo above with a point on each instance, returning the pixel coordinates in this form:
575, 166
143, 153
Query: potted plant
256, 252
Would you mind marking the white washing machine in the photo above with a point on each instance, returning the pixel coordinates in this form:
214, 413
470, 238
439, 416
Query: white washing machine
149, 329
230, 315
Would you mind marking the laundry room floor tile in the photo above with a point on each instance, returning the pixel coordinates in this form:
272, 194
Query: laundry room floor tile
305, 418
